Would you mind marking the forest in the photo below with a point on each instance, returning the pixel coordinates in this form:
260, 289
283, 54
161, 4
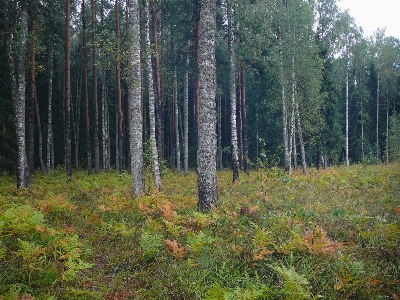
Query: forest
199, 149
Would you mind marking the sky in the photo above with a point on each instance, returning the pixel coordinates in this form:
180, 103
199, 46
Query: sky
374, 14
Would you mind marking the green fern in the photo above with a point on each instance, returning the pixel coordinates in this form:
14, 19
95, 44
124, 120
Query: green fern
295, 285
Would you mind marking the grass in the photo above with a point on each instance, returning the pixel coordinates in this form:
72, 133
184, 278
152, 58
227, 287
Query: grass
332, 234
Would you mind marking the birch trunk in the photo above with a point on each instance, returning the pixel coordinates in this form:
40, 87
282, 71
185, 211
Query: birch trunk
136, 129
152, 116
232, 94
300, 133
207, 140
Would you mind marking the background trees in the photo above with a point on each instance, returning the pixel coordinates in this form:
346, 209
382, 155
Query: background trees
293, 62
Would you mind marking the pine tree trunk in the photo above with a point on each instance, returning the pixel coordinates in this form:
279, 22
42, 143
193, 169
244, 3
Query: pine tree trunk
67, 128
232, 92
159, 123
196, 59
31, 112
42, 167
152, 116
347, 116
377, 116
186, 120
16, 45
76, 117
219, 133
49, 157
95, 101
86, 91
207, 141
120, 132
300, 133
244, 123
136, 145
176, 124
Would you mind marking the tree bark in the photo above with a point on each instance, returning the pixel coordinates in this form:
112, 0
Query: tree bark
347, 115
152, 116
67, 127
244, 122
232, 94
186, 120
120, 132
176, 123
39, 124
31, 112
16, 44
95, 100
207, 141
86, 92
136, 145
377, 115
49, 157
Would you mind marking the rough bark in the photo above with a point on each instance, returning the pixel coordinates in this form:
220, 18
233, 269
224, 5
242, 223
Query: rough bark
120, 132
207, 140
347, 116
176, 123
67, 107
244, 123
95, 100
49, 157
31, 107
136, 145
300, 133
159, 116
186, 120
40, 134
232, 92
16, 44
377, 115
152, 116
86, 92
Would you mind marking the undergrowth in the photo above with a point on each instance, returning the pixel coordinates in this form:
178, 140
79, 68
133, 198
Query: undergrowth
332, 234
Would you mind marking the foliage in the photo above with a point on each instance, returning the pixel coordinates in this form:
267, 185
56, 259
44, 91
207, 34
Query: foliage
332, 234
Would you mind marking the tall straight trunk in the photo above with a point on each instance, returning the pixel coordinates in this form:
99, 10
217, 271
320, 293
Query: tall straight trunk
196, 59
387, 128
233, 103
219, 132
240, 123
292, 119
76, 117
16, 44
136, 128
86, 92
159, 123
152, 116
176, 124
362, 131
50, 146
67, 127
39, 124
244, 122
284, 108
31, 111
186, 120
207, 140
120, 131
95, 101
377, 115
105, 127
300, 133
347, 116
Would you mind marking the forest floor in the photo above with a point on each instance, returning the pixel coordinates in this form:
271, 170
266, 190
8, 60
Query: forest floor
333, 234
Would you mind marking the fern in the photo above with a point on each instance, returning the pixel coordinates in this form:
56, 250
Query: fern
295, 285
150, 243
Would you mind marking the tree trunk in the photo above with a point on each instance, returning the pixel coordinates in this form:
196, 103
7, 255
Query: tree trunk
300, 133
284, 109
86, 92
16, 58
136, 145
186, 120
152, 116
42, 167
377, 115
176, 123
207, 141
31, 112
120, 132
196, 59
347, 115
95, 101
49, 157
160, 123
76, 117
219, 132
67, 127
232, 92
244, 123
